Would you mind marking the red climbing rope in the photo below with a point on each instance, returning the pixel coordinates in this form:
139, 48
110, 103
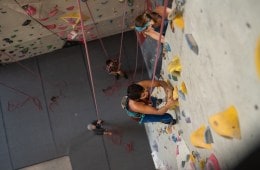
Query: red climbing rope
159, 41
88, 60
136, 55
122, 35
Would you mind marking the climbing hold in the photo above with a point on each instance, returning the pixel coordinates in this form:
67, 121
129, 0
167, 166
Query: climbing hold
30, 10
175, 95
192, 43
226, 123
166, 47
49, 47
182, 95
174, 67
202, 164
168, 129
187, 120
196, 155
197, 138
212, 163
8, 40
183, 88
155, 146
70, 8
208, 136
27, 22
183, 164
179, 21
25, 50
73, 18
50, 27
175, 106
191, 158
174, 78
257, 57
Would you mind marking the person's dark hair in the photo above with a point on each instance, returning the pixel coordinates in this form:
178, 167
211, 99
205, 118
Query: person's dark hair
141, 20
156, 18
134, 91
108, 61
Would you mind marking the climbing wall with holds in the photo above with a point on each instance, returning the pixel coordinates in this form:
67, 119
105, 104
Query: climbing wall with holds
214, 68
30, 28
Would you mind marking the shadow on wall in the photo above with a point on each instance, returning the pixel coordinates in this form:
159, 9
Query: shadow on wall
250, 160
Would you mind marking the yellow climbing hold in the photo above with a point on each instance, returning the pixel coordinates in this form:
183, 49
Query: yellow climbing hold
73, 18
226, 123
179, 21
176, 104
192, 158
183, 88
197, 138
175, 65
175, 95
257, 57
169, 129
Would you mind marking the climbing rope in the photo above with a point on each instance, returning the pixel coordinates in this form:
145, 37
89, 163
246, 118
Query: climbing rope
101, 42
88, 60
122, 35
159, 41
136, 55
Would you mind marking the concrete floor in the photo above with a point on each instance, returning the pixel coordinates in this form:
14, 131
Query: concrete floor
47, 102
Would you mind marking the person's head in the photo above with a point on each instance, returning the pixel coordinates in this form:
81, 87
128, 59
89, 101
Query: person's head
91, 127
109, 61
142, 22
136, 91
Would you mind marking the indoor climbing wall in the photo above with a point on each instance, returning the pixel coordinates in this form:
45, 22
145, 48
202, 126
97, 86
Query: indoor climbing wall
213, 65
29, 28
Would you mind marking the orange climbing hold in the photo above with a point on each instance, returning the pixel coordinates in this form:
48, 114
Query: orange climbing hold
179, 21
226, 123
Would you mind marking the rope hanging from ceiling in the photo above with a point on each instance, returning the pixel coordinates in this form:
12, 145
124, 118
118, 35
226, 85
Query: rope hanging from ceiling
159, 41
98, 33
122, 35
88, 61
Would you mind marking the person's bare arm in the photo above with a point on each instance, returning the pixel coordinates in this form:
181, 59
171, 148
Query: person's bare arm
147, 109
168, 89
155, 35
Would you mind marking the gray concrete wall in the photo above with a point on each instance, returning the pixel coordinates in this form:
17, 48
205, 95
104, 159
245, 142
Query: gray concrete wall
222, 74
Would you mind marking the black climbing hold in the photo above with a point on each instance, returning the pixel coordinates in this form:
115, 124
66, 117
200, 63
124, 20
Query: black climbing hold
27, 22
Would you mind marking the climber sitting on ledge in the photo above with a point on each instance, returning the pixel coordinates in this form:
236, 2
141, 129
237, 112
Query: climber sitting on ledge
149, 23
142, 108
